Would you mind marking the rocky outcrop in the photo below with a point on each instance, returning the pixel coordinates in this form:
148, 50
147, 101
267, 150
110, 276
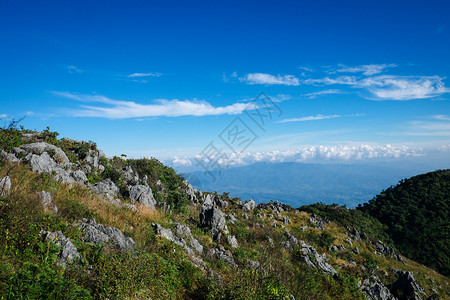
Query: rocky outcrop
68, 253
5, 186
374, 289
93, 158
408, 287
45, 198
101, 234
57, 154
181, 236
211, 217
232, 241
222, 254
106, 188
314, 260
314, 220
249, 206
142, 194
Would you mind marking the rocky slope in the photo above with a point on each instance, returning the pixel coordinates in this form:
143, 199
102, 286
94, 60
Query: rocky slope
76, 224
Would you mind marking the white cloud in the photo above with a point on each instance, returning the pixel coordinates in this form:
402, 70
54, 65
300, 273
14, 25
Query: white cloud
306, 69
4, 116
73, 69
442, 117
344, 80
309, 118
268, 79
319, 153
140, 75
388, 87
117, 109
322, 93
367, 70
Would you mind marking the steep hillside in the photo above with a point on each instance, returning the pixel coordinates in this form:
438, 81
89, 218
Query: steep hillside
75, 224
416, 212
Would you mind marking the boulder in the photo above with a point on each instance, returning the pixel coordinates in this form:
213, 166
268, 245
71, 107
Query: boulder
5, 186
318, 261
408, 287
316, 222
106, 188
249, 206
232, 241
131, 177
142, 194
79, 176
47, 203
211, 217
98, 234
93, 158
374, 289
222, 254
181, 236
68, 252
167, 234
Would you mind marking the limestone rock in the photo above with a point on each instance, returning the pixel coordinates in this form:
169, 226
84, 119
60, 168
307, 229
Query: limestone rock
249, 206
409, 288
142, 194
5, 186
374, 289
319, 261
39, 148
98, 233
106, 188
232, 241
68, 252
222, 254
46, 200
211, 217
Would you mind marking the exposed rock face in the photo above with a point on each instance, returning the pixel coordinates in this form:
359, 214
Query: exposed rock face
181, 236
374, 289
68, 252
231, 219
142, 194
316, 222
47, 203
290, 238
93, 158
409, 288
249, 206
98, 233
5, 186
211, 217
106, 188
191, 192
56, 153
222, 254
131, 177
313, 259
79, 176
232, 241
349, 241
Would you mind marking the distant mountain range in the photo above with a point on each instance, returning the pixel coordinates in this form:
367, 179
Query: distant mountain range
300, 183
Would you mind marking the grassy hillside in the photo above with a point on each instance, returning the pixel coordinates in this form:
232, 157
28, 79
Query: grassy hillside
269, 251
416, 212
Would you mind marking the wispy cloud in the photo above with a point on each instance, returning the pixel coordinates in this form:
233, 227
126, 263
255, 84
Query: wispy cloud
307, 69
268, 79
323, 93
141, 75
442, 117
389, 87
73, 69
4, 116
343, 80
117, 109
317, 117
310, 118
367, 70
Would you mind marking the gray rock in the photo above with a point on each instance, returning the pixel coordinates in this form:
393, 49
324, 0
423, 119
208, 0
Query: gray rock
5, 186
93, 158
304, 228
222, 254
356, 250
252, 264
190, 192
131, 177
68, 252
211, 217
219, 202
385, 250
374, 289
167, 234
196, 246
142, 194
41, 163
56, 153
232, 241
269, 239
292, 239
8, 156
249, 206
231, 219
79, 176
317, 223
98, 233
106, 188
47, 202
313, 259
349, 241
286, 245
286, 220
409, 288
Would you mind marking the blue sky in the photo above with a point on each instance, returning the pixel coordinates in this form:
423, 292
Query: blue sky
353, 80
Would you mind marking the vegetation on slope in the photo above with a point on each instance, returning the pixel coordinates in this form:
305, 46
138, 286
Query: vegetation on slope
416, 212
